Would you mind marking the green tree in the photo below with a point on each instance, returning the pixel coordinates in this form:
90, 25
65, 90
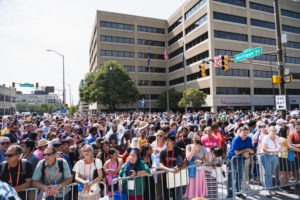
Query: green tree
72, 110
47, 108
26, 107
174, 98
192, 98
110, 86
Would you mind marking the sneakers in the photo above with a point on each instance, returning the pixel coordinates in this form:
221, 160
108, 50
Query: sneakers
269, 195
273, 192
241, 196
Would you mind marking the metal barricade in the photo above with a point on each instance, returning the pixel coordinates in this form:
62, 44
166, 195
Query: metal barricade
202, 180
274, 171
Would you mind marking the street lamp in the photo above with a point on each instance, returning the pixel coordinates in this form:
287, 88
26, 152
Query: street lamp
63, 59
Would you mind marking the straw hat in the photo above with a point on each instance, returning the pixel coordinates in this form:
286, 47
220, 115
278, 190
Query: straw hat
42, 142
143, 125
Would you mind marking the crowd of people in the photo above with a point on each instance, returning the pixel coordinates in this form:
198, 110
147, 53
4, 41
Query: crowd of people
49, 152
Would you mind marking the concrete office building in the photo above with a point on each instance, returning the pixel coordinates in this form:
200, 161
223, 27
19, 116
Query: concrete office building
7, 100
38, 99
203, 29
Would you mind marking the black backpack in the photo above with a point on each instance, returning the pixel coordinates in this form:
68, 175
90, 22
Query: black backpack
23, 163
60, 166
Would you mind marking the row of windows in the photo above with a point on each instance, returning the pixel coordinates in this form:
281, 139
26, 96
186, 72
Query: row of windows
241, 3
262, 57
194, 8
176, 53
196, 41
233, 72
292, 91
151, 43
196, 24
263, 40
233, 90
265, 91
117, 53
226, 52
106, 38
174, 25
152, 69
263, 24
196, 75
230, 36
152, 56
152, 83
293, 60
290, 14
261, 7
264, 74
175, 38
296, 75
146, 96
175, 67
230, 18
129, 68
176, 81
291, 29
117, 25
151, 29
295, 45
205, 90
198, 57
7, 98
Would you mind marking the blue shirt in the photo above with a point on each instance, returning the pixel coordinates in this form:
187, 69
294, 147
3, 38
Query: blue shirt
90, 139
239, 144
2, 157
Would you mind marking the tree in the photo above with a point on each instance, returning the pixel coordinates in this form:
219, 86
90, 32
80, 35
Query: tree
26, 107
110, 86
72, 110
193, 98
47, 108
174, 98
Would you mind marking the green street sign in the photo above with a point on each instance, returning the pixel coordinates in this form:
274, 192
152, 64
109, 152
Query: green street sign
248, 53
26, 85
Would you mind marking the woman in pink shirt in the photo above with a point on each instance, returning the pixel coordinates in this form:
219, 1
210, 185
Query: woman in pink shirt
42, 145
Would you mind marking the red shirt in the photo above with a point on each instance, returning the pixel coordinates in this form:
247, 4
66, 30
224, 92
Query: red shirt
210, 142
295, 139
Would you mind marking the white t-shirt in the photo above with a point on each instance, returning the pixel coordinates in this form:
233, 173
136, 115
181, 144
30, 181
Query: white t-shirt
271, 145
79, 167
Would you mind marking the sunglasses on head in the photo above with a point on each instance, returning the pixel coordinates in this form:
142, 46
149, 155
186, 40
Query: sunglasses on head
10, 154
48, 154
5, 143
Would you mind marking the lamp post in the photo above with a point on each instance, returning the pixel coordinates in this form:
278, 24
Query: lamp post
63, 59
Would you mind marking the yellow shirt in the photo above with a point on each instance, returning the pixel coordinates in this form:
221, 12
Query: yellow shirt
6, 130
283, 154
141, 142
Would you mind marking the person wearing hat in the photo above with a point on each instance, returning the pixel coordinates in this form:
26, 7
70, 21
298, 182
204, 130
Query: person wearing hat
46, 127
42, 145
28, 146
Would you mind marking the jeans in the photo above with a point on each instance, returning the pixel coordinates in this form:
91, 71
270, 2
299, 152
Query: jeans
58, 198
269, 163
238, 169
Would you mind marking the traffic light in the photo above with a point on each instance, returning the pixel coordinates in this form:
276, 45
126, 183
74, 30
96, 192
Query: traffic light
36, 85
202, 67
225, 63
13, 84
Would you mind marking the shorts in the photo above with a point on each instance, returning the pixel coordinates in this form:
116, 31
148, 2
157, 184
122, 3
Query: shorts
288, 166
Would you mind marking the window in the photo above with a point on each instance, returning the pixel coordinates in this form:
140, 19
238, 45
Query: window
262, 57
263, 24
175, 67
106, 38
151, 43
291, 29
176, 81
295, 76
295, 45
230, 18
233, 72
196, 41
198, 57
293, 91
233, 91
116, 53
152, 83
146, 96
194, 9
152, 56
290, 14
226, 52
175, 24
196, 24
116, 25
264, 74
230, 36
151, 29
263, 40
175, 39
129, 68
1, 97
265, 91
241, 3
293, 60
261, 7
196, 75
205, 90
152, 69
176, 53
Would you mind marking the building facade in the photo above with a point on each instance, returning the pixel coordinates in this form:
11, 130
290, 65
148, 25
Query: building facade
7, 100
37, 98
203, 29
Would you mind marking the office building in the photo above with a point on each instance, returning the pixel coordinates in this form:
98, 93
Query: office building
38, 98
7, 100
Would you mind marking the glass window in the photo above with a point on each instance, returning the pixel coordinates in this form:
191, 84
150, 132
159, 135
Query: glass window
261, 7
230, 36
175, 39
196, 24
151, 29
175, 24
194, 8
229, 18
116, 25
175, 53
198, 57
290, 14
241, 3
196, 41
263, 24
291, 29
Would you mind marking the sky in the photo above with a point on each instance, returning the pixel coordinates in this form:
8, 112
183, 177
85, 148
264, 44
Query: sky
29, 27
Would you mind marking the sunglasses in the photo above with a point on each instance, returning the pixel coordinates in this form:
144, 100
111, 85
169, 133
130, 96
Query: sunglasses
10, 154
5, 143
159, 135
48, 154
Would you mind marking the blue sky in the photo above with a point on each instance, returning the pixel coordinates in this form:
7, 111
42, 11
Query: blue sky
29, 27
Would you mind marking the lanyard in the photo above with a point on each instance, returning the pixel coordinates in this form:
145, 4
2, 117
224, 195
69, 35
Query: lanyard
55, 181
18, 176
168, 158
27, 156
89, 171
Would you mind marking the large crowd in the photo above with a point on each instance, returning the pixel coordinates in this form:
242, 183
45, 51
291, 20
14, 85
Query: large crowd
51, 151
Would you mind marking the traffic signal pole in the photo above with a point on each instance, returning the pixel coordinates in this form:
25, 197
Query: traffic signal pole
279, 53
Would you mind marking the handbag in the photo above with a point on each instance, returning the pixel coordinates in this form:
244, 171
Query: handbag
120, 195
291, 156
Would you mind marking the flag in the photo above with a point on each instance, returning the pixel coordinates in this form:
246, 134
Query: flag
166, 56
182, 59
148, 58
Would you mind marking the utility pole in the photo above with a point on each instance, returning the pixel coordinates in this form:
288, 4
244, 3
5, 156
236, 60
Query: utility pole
279, 53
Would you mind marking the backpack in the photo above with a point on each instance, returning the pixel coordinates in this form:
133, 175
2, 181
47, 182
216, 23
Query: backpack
23, 162
60, 166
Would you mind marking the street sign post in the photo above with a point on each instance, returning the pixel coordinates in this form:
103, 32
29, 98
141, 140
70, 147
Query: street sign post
280, 102
248, 53
26, 85
63, 110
